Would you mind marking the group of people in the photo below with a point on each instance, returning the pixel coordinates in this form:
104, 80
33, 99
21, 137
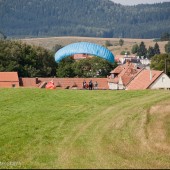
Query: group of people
90, 85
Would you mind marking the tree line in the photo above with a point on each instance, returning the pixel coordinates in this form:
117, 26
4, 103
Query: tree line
141, 50
92, 18
33, 61
158, 61
27, 60
90, 67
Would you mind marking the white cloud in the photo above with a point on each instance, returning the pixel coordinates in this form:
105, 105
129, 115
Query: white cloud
135, 2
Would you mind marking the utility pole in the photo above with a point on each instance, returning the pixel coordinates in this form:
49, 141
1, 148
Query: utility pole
165, 65
167, 61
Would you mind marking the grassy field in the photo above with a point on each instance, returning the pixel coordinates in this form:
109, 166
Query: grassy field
84, 129
50, 42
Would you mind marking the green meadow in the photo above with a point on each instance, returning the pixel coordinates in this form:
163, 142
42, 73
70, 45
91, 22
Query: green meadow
42, 128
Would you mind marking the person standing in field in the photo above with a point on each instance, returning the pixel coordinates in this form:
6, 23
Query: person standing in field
96, 85
84, 84
90, 85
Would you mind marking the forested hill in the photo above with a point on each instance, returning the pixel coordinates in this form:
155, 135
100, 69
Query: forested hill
97, 18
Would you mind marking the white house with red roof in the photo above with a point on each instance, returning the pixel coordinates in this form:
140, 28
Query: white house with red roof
128, 77
139, 61
122, 75
149, 79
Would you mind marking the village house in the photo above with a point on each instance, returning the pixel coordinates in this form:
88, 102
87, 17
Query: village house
122, 75
150, 79
63, 83
140, 62
81, 56
129, 77
9, 79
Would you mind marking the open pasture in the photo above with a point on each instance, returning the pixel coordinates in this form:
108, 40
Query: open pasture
42, 128
116, 49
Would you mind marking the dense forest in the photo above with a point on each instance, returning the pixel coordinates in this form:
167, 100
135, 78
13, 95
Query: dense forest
95, 18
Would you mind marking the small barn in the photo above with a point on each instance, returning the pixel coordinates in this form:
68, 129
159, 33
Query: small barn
9, 79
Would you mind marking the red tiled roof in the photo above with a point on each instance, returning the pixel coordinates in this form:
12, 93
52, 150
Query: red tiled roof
9, 77
65, 82
144, 79
126, 79
126, 72
80, 56
118, 58
117, 70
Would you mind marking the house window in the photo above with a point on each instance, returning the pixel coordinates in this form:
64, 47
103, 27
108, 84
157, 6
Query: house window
112, 76
13, 85
163, 79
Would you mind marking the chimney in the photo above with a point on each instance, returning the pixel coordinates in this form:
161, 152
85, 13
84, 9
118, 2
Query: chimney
150, 74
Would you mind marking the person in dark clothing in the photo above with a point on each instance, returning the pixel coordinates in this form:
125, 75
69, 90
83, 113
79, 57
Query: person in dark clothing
90, 85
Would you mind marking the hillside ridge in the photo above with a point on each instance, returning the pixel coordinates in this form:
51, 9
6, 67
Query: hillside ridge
92, 18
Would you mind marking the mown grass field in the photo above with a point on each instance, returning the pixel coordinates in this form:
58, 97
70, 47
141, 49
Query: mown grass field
84, 129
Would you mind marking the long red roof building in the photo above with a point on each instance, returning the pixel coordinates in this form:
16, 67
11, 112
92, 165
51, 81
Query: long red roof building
9, 79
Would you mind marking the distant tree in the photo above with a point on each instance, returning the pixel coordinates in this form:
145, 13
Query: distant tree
56, 48
90, 67
158, 62
65, 68
121, 42
107, 43
142, 51
167, 47
135, 48
101, 67
156, 48
83, 68
150, 52
125, 52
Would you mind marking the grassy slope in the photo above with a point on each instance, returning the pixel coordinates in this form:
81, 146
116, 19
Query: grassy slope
84, 129
116, 49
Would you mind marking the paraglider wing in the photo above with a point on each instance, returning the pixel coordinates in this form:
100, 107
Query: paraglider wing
84, 48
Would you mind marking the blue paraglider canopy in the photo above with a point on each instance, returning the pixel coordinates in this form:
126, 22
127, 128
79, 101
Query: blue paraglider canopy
84, 48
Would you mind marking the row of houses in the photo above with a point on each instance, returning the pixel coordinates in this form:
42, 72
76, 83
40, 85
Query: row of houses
130, 77
124, 77
11, 79
139, 61
132, 73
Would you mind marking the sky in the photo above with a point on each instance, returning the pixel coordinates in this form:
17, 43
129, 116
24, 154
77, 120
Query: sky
135, 2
